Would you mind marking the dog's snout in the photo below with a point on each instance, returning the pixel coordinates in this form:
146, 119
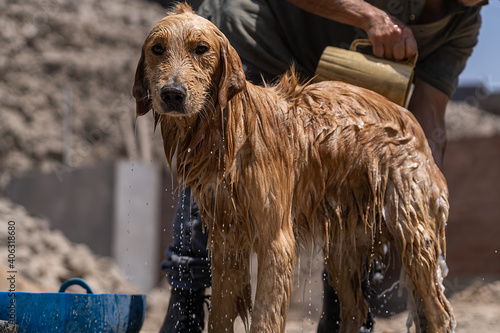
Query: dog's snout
173, 95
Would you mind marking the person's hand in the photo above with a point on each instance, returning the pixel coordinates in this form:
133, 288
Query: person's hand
391, 38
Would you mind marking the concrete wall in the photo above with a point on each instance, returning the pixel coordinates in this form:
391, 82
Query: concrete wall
78, 202
135, 222
472, 169
114, 208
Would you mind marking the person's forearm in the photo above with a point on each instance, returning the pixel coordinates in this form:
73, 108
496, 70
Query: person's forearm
357, 13
389, 36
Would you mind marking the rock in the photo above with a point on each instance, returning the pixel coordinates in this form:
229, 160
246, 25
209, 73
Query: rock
6, 327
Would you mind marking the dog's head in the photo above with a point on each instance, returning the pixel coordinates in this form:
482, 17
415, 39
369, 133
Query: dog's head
186, 63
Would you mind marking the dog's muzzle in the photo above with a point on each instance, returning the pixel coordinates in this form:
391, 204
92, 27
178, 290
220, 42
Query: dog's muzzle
174, 97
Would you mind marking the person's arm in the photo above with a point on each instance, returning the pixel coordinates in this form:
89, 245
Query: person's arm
428, 105
390, 37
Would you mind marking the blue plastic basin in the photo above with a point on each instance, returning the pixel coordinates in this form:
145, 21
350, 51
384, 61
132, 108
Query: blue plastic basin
73, 312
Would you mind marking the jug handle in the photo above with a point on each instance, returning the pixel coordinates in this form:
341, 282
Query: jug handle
366, 42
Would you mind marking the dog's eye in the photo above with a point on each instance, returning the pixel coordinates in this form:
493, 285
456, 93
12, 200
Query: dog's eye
200, 49
157, 49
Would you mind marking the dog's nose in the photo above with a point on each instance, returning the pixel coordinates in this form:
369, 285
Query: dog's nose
173, 95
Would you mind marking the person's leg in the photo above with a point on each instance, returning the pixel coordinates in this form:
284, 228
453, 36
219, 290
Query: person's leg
330, 316
188, 269
187, 264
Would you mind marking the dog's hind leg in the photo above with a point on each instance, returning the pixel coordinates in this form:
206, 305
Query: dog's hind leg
430, 310
417, 232
231, 289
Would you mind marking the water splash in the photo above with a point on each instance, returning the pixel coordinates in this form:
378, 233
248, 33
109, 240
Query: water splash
388, 290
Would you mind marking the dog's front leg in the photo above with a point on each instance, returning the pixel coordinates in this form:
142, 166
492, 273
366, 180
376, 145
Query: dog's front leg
276, 257
231, 289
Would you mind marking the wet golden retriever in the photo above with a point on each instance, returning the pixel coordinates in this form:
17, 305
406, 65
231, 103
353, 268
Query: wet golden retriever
272, 167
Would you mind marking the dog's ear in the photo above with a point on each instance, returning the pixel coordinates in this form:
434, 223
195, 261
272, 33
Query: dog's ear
232, 79
140, 89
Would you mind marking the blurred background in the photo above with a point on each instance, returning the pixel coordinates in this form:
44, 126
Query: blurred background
91, 195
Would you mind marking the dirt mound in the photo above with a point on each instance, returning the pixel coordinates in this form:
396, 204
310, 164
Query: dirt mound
69, 62
464, 120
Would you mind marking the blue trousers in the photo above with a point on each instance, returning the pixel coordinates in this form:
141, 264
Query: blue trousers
187, 264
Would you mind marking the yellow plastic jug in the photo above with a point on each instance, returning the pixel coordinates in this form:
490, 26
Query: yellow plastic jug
389, 78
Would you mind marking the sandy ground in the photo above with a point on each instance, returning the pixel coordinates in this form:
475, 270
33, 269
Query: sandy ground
476, 308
